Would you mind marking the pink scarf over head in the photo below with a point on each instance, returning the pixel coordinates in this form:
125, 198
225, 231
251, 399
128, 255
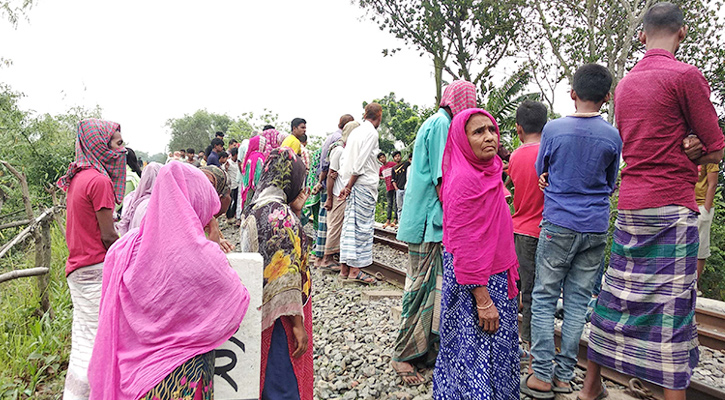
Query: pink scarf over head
272, 140
477, 225
168, 293
92, 151
459, 96
250, 164
142, 193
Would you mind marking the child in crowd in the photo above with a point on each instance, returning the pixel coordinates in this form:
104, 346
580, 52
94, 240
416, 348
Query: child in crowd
223, 157
386, 173
531, 117
579, 157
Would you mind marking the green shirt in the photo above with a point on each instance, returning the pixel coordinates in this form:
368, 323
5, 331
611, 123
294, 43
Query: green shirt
422, 219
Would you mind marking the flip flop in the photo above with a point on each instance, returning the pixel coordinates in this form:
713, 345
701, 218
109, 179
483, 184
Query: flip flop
410, 374
559, 389
361, 277
602, 395
536, 394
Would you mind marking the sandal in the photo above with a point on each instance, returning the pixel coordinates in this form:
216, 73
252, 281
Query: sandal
410, 374
560, 389
533, 393
363, 278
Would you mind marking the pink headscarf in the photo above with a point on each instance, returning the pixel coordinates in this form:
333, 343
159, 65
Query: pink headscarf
250, 165
459, 95
272, 140
168, 293
477, 225
141, 194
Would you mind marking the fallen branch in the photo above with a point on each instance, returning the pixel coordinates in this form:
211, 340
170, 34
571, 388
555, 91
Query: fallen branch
15, 224
21, 273
27, 231
23, 187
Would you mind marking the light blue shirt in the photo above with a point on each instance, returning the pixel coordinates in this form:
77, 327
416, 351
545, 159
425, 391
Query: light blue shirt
422, 219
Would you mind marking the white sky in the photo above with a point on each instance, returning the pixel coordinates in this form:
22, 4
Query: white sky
144, 62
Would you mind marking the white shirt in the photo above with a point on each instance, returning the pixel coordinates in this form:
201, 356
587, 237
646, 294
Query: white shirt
360, 157
233, 173
334, 159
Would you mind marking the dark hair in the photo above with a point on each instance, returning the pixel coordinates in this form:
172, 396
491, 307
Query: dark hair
132, 161
219, 134
532, 116
381, 154
663, 17
396, 153
232, 141
183, 150
266, 127
234, 151
373, 111
297, 121
223, 154
216, 142
344, 120
190, 150
592, 82
303, 139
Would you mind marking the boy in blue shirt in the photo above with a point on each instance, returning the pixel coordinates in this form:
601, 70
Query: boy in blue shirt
579, 155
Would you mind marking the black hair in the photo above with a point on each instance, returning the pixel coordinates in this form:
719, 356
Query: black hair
303, 139
396, 153
592, 82
132, 161
663, 17
297, 121
532, 116
223, 154
216, 142
381, 154
232, 141
234, 151
219, 134
266, 127
190, 150
183, 150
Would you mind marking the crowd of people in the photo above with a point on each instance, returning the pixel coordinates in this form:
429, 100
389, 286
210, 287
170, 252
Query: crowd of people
145, 322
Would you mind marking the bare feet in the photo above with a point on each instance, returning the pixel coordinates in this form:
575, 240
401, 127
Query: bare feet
408, 373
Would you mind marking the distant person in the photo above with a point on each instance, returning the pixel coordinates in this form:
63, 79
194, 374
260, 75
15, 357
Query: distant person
299, 127
479, 357
658, 103
192, 158
182, 155
705, 190
201, 157
169, 298
95, 183
217, 148
133, 170
386, 173
271, 228
267, 127
303, 151
233, 143
136, 202
223, 158
423, 231
531, 116
399, 178
235, 178
217, 135
360, 174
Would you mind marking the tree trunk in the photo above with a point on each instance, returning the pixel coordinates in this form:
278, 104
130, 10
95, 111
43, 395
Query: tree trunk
438, 71
42, 260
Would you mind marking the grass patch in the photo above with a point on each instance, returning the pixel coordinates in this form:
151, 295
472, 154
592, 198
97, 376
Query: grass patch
34, 348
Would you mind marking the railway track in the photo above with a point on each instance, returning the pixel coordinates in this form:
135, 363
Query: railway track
710, 328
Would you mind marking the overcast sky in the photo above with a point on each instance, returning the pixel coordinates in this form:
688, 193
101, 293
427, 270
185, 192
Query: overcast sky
144, 62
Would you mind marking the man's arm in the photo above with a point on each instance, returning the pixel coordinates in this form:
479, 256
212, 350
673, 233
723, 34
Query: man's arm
711, 158
711, 189
104, 216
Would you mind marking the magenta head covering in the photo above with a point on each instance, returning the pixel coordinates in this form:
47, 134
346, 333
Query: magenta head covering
168, 292
477, 226
272, 140
459, 95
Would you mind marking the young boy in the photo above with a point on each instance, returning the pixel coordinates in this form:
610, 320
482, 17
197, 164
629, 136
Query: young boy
579, 156
531, 117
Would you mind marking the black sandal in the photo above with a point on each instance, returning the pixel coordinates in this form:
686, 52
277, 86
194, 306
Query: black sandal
362, 277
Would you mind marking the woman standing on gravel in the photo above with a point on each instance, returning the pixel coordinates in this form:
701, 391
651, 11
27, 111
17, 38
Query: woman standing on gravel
271, 227
478, 355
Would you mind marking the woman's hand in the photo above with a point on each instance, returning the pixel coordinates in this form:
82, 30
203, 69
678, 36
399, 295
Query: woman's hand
488, 317
299, 202
298, 330
215, 235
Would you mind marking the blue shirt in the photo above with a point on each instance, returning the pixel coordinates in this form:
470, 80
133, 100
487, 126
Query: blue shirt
581, 155
213, 159
422, 219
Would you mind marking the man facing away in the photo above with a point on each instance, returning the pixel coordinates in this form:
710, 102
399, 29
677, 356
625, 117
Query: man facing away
643, 322
579, 155
299, 127
421, 226
531, 117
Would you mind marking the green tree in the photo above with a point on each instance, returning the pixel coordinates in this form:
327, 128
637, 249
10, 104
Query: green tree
401, 121
465, 38
196, 130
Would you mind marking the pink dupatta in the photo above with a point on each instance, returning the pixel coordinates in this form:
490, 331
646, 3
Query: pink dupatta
168, 293
477, 225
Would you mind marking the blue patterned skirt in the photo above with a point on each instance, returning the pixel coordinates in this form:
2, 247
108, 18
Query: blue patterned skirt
473, 364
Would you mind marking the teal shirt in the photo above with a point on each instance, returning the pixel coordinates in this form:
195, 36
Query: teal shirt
422, 219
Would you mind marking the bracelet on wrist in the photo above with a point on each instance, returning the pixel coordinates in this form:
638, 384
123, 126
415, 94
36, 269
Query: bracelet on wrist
486, 307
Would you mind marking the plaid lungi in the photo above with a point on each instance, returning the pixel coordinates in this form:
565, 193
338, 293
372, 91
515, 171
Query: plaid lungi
321, 228
356, 240
644, 321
